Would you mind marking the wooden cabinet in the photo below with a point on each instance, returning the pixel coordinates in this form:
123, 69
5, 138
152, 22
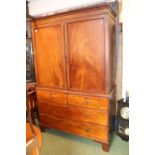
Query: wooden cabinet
74, 59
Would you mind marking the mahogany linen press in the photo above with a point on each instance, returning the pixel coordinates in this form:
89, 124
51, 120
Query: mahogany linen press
74, 55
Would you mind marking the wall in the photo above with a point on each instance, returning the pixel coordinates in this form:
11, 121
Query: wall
126, 46
44, 7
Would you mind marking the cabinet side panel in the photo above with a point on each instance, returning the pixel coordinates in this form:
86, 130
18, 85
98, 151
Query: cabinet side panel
111, 55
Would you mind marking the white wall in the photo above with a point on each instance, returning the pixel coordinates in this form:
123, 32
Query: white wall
44, 7
126, 46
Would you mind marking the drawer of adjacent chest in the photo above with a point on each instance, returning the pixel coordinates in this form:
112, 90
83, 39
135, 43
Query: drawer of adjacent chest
88, 102
98, 132
75, 113
54, 97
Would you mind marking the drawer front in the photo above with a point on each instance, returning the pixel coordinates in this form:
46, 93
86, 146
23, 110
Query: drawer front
76, 114
96, 132
54, 97
88, 102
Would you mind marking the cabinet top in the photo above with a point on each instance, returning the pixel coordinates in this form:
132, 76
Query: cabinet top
95, 9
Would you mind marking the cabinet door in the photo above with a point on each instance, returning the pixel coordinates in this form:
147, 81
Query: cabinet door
50, 56
86, 55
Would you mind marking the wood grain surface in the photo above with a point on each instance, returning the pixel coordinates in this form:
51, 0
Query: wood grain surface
74, 113
97, 132
86, 55
50, 56
54, 97
88, 102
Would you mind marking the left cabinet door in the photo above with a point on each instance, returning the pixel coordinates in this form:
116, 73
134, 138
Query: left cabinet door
50, 56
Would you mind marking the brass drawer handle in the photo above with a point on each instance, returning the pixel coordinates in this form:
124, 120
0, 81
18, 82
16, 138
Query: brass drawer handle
53, 96
87, 130
86, 101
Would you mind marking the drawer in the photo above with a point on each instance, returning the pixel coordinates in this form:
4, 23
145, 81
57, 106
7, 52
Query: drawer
88, 102
54, 97
97, 132
75, 113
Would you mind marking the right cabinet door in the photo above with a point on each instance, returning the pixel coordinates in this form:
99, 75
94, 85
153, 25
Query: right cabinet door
86, 55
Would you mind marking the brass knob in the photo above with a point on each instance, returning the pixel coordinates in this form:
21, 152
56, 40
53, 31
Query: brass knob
53, 96
87, 130
86, 101
35, 30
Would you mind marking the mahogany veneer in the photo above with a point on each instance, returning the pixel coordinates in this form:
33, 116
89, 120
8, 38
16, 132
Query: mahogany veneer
74, 61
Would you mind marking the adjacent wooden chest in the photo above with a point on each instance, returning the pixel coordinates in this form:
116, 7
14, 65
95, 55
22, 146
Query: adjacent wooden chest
74, 61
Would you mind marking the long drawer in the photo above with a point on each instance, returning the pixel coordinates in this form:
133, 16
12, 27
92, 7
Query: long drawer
74, 113
97, 132
88, 102
54, 97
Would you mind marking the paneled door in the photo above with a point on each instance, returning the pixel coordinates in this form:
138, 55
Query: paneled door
50, 56
86, 55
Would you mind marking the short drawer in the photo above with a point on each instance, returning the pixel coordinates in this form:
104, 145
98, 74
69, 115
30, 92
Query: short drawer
75, 113
97, 132
88, 102
54, 97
